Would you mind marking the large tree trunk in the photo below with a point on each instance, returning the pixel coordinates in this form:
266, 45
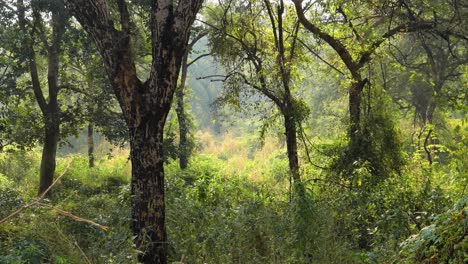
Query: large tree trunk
182, 117
91, 145
145, 115
148, 210
146, 129
145, 105
47, 170
146, 121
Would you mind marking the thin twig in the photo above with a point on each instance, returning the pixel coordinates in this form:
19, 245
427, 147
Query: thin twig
74, 217
41, 197
302, 134
39, 202
82, 252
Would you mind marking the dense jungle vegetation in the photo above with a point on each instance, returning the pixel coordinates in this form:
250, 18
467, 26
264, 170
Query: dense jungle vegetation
233, 131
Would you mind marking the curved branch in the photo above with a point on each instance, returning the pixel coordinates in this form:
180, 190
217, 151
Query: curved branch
31, 56
403, 28
197, 58
339, 47
319, 57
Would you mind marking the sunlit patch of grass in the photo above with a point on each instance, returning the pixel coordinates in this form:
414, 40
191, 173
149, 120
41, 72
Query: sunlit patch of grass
23, 169
41, 235
242, 155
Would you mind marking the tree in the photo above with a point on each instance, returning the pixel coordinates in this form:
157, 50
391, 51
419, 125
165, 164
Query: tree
260, 52
145, 105
182, 116
100, 107
366, 39
355, 33
39, 38
434, 67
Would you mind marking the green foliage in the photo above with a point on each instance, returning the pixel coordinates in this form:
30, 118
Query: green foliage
365, 193
444, 241
217, 214
9, 197
374, 152
368, 177
228, 219
212, 217
40, 235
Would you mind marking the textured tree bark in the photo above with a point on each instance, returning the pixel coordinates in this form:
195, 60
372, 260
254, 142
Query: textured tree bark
90, 145
145, 105
146, 120
148, 192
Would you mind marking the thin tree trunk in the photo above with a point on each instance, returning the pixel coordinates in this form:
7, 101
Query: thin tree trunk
291, 144
354, 111
217, 122
91, 145
215, 115
52, 112
50, 108
47, 170
183, 133
182, 117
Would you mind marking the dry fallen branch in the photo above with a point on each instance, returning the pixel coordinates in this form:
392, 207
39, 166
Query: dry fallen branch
38, 202
74, 217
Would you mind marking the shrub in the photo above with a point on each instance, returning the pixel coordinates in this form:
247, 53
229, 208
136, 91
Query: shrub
444, 241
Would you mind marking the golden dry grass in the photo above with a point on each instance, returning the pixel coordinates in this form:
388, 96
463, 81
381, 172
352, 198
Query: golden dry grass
242, 156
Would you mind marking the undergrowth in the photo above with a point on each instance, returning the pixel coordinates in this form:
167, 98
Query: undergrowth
232, 205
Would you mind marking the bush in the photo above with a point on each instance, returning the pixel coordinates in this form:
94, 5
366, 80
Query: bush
444, 241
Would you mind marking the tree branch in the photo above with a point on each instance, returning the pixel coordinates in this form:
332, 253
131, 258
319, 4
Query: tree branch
403, 28
95, 18
197, 58
319, 57
350, 23
31, 55
339, 47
